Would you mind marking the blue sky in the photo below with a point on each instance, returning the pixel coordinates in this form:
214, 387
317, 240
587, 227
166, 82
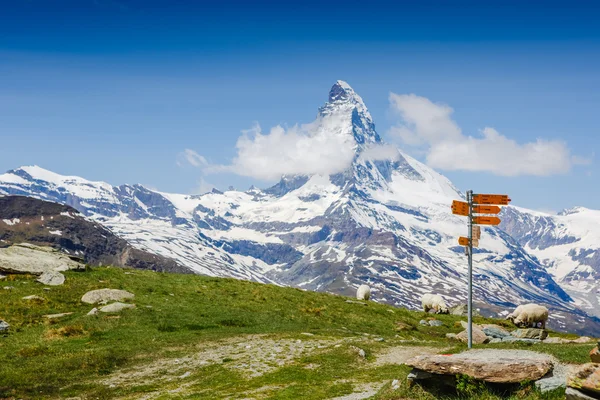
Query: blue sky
115, 90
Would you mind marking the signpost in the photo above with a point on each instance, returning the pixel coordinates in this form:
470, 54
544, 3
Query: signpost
476, 204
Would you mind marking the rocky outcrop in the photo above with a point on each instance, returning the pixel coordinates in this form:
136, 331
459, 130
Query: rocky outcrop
25, 258
531, 333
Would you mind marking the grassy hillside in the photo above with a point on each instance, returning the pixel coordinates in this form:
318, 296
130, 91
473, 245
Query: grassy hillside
200, 337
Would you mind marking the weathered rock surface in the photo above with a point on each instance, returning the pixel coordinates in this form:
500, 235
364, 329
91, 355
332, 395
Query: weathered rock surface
93, 311
4, 326
495, 366
51, 278
478, 336
106, 295
460, 309
512, 339
2, 277
116, 307
574, 394
586, 378
495, 331
29, 259
435, 322
531, 333
595, 354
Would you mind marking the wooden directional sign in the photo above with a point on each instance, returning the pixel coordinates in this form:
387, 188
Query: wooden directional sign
486, 220
460, 208
500, 199
476, 232
486, 209
463, 241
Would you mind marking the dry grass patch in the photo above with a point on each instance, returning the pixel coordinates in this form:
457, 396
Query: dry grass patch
65, 332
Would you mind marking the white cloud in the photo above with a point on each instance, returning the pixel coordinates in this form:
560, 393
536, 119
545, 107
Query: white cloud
429, 127
203, 187
317, 148
190, 157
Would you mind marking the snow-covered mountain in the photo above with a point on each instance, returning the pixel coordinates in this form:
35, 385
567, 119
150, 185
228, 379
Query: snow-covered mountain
385, 222
567, 244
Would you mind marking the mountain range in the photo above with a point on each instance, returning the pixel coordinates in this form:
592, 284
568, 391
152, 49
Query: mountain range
384, 221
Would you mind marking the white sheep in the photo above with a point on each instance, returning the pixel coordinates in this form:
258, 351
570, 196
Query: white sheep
363, 292
529, 315
434, 302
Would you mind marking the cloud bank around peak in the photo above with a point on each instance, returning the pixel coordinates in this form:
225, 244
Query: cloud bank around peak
428, 127
321, 147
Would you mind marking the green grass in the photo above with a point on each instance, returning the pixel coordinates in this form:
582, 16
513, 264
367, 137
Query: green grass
176, 314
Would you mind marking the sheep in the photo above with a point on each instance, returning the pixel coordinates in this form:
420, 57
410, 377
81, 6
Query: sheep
363, 292
529, 315
434, 302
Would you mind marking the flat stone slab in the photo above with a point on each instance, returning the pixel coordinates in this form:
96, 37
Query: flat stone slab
4, 326
51, 278
489, 365
586, 378
106, 295
29, 259
116, 307
56, 316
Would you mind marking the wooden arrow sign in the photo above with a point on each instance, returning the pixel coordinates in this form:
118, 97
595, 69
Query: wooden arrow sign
476, 232
486, 220
463, 241
486, 210
500, 199
460, 208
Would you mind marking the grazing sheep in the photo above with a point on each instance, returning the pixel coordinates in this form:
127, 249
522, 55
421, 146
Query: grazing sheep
529, 315
434, 302
363, 292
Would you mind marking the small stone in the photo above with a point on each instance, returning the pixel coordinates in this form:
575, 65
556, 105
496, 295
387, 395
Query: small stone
33, 297
401, 326
185, 375
380, 339
451, 335
4, 326
8, 287
531, 333
583, 339
390, 311
56, 316
460, 310
51, 278
116, 307
307, 334
106, 295
395, 384
478, 336
93, 311
418, 374
495, 340
423, 322
2, 277
435, 322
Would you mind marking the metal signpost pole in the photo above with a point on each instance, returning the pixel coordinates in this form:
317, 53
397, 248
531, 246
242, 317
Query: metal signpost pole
470, 255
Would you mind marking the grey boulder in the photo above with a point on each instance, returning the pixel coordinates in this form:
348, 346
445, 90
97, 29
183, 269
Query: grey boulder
51, 278
106, 295
4, 326
116, 307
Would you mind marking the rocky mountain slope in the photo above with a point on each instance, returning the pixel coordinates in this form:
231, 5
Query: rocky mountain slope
44, 223
385, 222
567, 244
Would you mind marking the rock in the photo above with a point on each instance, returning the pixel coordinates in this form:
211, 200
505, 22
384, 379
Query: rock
461, 310
495, 340
586, 378
512, 339
451, 335
465, 325
550, 382
495, 331
380, 339
554, 340
2, 277
116, 307
495, 366
35, 260
56, 316
8, 287
4, 326
93, 311
105, 296
531, 333
574, 394
583, 339
478, 336
355, 302
595, 355
395, 384
435, 322
307, 334
418, 374
423, 322
33, 297
51, 278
